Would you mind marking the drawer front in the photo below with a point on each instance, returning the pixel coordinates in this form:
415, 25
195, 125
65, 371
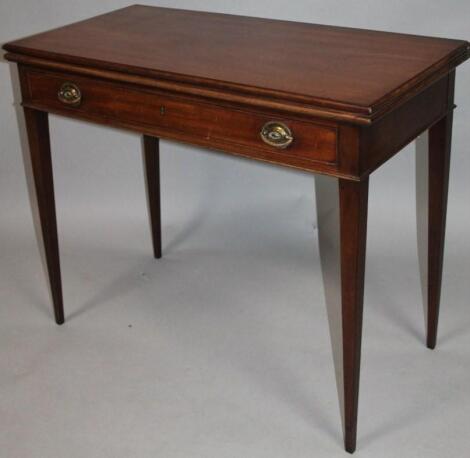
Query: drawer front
292, 142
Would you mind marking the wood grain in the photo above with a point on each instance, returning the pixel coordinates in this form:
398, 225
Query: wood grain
393, 132
151, 153
230, 129
349, 70
353, 233
37, 126
440, 138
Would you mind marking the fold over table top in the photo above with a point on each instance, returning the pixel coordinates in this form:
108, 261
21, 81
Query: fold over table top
351, 74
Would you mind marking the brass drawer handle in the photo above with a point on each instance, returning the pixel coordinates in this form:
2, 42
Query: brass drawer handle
70, 94
276, 134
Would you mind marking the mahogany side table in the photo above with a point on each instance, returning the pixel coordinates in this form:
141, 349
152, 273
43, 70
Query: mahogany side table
334, 101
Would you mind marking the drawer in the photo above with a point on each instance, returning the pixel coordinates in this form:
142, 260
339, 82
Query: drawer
243, 132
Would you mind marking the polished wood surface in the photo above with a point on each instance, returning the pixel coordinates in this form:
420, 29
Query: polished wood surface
231, 129
353, 198
151, 153
354, 71
351, 99
440, 137
393, 132
37, 126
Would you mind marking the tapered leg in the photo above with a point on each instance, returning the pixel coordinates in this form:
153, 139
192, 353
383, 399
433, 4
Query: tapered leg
353, 220
152, 172
37, 127
342, 221
432, 183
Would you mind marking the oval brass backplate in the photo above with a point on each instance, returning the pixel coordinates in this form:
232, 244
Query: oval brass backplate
276, 134
70, 94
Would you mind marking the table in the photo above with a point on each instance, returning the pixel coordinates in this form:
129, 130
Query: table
333, 101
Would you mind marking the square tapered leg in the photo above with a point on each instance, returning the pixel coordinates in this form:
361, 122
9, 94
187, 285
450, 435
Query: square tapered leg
152, 174
37, 127
342, 223
432, 184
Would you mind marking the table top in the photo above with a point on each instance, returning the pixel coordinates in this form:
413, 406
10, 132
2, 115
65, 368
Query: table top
344, 69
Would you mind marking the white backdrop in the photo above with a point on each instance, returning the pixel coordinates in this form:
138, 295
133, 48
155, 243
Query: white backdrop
237, 236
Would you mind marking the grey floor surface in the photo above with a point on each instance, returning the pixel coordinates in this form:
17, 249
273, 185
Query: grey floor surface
221, 349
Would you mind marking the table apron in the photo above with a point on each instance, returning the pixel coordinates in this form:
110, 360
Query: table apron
235, 130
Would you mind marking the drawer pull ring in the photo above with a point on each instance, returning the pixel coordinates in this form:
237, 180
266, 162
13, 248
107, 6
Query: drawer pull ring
276, 134
70, 94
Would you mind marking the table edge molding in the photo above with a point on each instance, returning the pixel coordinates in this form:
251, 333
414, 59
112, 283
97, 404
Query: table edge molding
249, 96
